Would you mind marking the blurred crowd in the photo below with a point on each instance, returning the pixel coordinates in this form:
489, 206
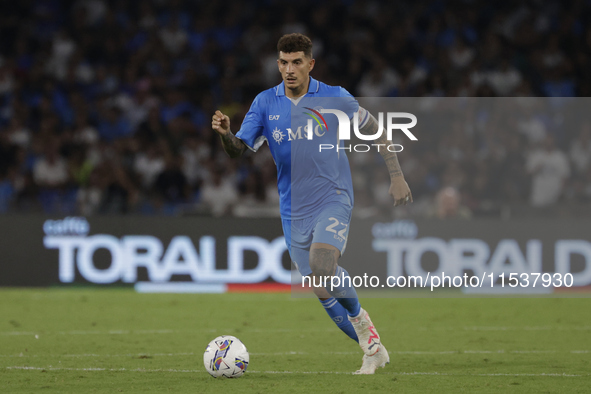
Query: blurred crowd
105, 106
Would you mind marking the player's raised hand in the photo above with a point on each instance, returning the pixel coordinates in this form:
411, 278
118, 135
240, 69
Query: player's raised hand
400, 191
220, 122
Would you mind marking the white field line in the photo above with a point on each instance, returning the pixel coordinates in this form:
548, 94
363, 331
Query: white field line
506, 328
97, 332
296, 353
161, 331
50, 368
299, 330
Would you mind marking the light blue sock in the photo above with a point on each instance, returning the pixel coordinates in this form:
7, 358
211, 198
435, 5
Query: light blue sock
338, 314
345, 293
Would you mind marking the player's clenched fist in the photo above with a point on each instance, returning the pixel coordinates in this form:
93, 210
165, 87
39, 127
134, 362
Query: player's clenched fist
400, 191
220, 123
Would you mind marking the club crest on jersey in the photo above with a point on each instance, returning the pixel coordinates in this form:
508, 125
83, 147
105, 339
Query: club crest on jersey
278, 135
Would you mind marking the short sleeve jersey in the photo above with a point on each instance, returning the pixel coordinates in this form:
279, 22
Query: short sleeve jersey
311, 171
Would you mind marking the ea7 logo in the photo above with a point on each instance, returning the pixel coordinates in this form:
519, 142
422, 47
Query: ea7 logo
273, 117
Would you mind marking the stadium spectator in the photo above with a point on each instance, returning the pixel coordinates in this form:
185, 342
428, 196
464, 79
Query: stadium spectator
173, 37
115, 79
171, 184
51, 170
549, 169
448, 205
580, 150
149, 164
219, 194
379, 81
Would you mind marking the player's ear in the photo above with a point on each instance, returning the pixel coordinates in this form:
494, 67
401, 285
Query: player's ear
311, 64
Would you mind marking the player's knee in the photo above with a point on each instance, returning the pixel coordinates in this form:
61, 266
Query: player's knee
323, 262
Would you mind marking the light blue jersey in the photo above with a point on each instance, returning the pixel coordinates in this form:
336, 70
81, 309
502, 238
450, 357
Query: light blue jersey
307, 178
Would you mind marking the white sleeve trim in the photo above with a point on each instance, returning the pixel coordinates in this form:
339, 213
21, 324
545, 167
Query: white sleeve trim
257, 143
363, 116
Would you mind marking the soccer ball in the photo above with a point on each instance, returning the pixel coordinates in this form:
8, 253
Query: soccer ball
226, 356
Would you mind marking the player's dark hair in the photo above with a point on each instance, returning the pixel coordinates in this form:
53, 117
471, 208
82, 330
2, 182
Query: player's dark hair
295, 42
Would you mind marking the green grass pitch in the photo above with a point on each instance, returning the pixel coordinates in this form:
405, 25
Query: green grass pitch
115, 340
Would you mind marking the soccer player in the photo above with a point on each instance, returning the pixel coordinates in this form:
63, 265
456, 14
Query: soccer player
315, 187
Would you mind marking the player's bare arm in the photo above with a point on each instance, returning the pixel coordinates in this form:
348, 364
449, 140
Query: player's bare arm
399, 189
233, 146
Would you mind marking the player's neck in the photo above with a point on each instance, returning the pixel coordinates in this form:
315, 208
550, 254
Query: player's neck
299, 91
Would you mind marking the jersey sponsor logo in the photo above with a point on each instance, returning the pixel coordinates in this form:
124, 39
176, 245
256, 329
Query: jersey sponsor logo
274, 117
302, 132
293, 136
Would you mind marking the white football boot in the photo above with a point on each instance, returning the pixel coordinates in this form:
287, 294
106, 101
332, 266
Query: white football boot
371, 363
369, 339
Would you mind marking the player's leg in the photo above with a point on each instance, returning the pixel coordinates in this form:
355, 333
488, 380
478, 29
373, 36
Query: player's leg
324, 263
336, 311
296, 238
329, 241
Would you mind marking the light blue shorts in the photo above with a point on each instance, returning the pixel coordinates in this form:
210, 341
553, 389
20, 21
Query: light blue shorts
329, 226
